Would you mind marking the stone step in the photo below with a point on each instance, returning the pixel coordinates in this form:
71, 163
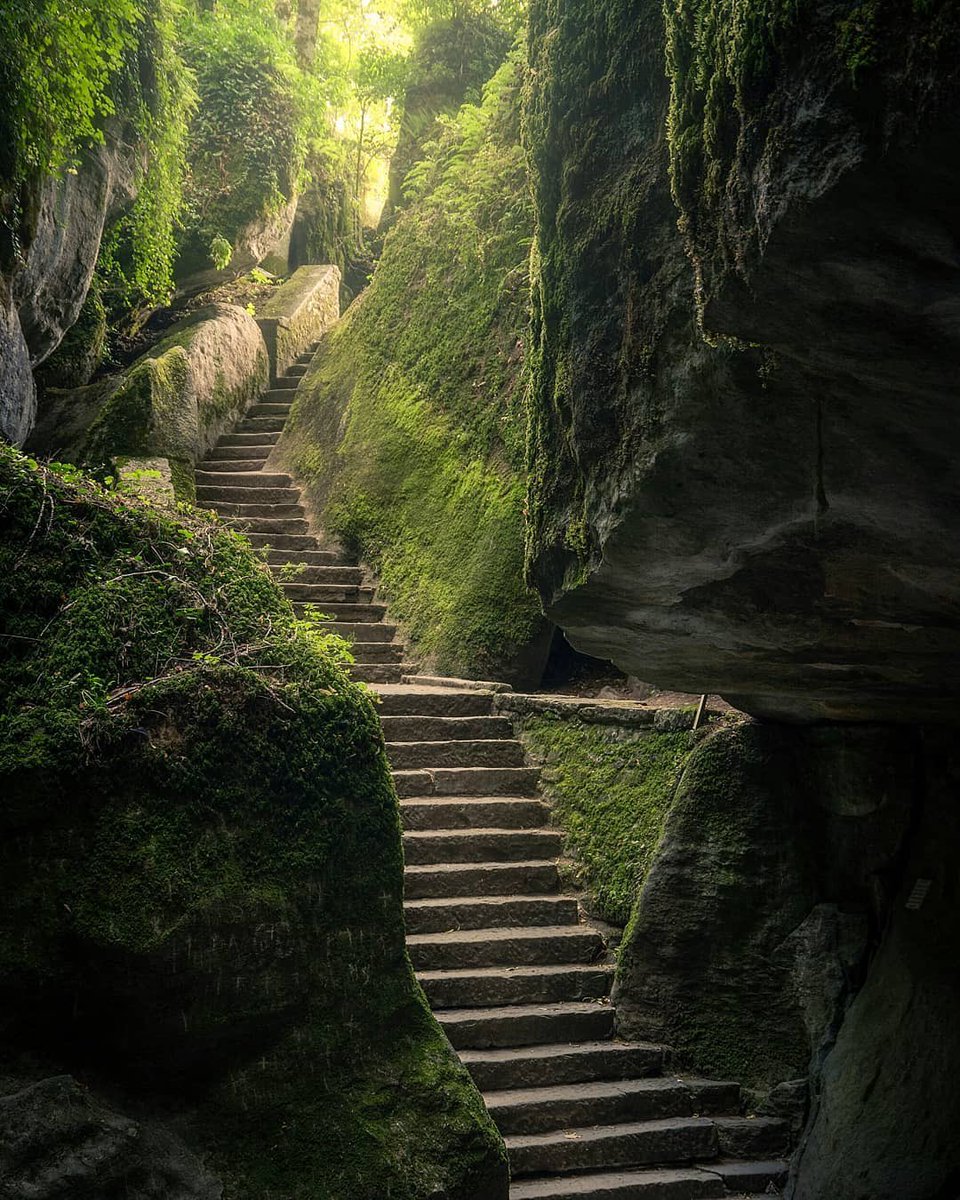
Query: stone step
657, 1183
606, 1102
482, 987
212, 494
235, 466
377, 652
305, 359
349, 612
222, 477
458, 753
282, 541
319, 593
261, 425
285, 383
287, 525
498, 812
533, 877
630, 1144
525, 1025
227, 440
424, 847
751, 1177
552, 1065
253, 510
294, 572
533, 946
362, 632
753, 1137
252, 453
409, 700
468, 781
269, 408
442, 729
297, 371
377, 672
488, 912
311, 558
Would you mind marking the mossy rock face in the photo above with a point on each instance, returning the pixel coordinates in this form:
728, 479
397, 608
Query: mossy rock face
202, 908
408, 431
174, 402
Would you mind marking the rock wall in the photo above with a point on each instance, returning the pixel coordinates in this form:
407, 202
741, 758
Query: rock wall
744, 458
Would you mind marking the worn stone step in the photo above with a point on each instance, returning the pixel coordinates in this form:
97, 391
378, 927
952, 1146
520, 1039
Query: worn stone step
498, 812
365, 632
550, 1065
377, 652
377, 672
348, 612
606, 1102
255, 453
629, 1144
269, 408
223, 477
406, 700
310, 558
234, 466
750, 1177
213, 494
228, 440
488, 912
282, 541
318, 593
525, 1024
305, 359
287, 525
655, 1183
533, 877
456, 753
753, 1137
442, 729
468, 781
253, 510
297, 371
285, 383
261, 425
483, 987
294, 572
523, 946
480, 845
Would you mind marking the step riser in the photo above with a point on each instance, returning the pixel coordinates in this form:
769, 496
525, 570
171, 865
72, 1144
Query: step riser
468, 781
262, 425
315, 559
483, 1032
207, 495
675, 1142
269, 409
494, 913
377, 672
251, 440
422, 849
384, 653
281, 541
327, 575
447, 990
354, 632
266, 525
349, 612
583, 947
410, 755
233, 466
437, 704
258, 512
476, 814
258, 454
503, 880
656, 1184
322, 593
242, 479
443, 729
494, 1072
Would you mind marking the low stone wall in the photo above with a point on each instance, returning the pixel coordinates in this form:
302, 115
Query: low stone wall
173, 403
298, 313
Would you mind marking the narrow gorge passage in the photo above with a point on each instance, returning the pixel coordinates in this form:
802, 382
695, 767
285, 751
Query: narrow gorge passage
517, 977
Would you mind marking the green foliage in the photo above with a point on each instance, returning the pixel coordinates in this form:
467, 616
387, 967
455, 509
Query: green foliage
220, 252
409, 432
611, 789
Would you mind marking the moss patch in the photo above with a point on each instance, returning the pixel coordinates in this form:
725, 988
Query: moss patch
611, 790
409, 431
201, 859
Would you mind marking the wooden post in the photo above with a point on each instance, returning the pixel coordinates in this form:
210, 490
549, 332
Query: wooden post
701, 709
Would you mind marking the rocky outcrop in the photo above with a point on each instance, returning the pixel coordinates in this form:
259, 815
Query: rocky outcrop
298, 313
173, 403
18, 397
744, 452
257, 241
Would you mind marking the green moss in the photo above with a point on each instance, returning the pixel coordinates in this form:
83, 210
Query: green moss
409, 431
75, 360
611, 790
200, 848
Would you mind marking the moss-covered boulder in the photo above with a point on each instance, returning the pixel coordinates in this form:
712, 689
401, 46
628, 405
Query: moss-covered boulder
201, 914
173, 402
408, 431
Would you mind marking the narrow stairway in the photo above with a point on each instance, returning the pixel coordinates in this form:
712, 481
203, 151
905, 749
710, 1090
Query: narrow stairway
518, 978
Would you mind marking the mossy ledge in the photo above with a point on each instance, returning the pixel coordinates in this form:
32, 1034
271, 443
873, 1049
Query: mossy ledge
201, 853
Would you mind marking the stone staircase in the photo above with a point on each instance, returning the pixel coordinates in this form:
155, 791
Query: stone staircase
518, 978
